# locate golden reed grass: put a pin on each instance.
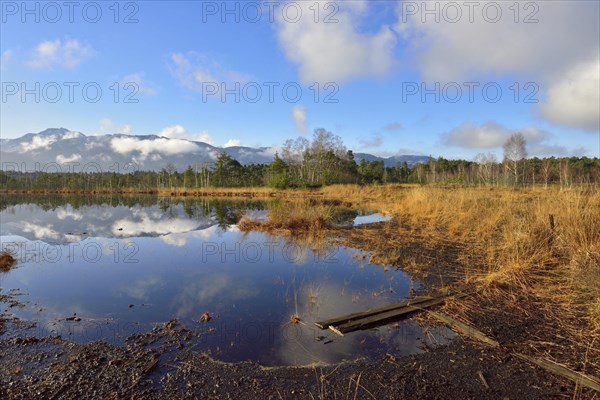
(510, 232)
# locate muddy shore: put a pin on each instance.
(163, 363)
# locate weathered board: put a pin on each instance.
(558, 369)
(464, 329)
(365, 319)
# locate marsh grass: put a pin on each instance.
(505, 236)
(296, 216)
(497, 238)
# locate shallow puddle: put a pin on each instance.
(104, 270)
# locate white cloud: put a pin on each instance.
(179, 132)
(147, 147)
(575, 99)
(171, 132)
(193, 69)
(68, 212)
(554, 52)
(232, 142)
(299, 117)
(40, 231)
(60, 159)
(5, 59)
(335, 52)
(67, 53)
(70, 135)
(141, 288)
(138, 80)
(38, 142)
(489, 135)
(107, 126)
(144, 223)
(566, 33)
(492, 135)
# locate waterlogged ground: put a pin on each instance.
(93, 269)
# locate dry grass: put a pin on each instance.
(506, 236)
(7, 261)
(296, 216)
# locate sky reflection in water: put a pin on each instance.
(124, 267)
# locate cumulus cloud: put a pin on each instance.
(107, 126)
(60, 159)
(67, 53)
(171, 132)
(38, 142)
(232, 142)
(179, 132)
(68, 212)
(299, 117)
(138, 80)
(575, 99)
(146, 147)
(488, 135)
(193, 69)
(71, 135)
(448, 51)
(554, 51)
(492, 135)
(335, 52)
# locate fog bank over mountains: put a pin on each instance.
(58, 148)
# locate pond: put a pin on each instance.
(106, 268)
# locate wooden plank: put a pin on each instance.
(464, 329)
(415, 300)
(345, 318)
(381, 317)
(559, 369)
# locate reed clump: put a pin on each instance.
(544, 242)
(297, 215)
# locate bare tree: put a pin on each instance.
(546, 171)
(485, 167)
(514, 154)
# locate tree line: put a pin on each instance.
(324, 160)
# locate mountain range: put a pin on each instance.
(60, 149)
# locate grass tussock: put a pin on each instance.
(506, 236)
(7, 261)
(295, 216)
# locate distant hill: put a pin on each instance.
(393, 160)
(54, 147)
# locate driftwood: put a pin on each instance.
(464, 329)
(559, 369)
(365, 319)
(339, 320)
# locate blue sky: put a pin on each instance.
(372, 58)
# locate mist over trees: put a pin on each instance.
(324, 160)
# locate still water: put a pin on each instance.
(119, 266)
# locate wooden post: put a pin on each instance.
(551, 238)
